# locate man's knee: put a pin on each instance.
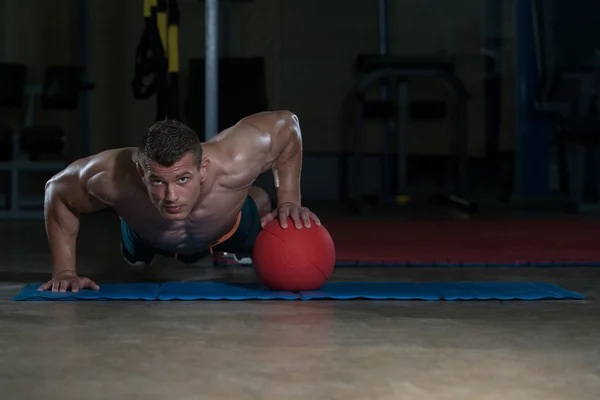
(261, 199)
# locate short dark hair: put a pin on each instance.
(167, 142)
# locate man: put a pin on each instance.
(177, 196)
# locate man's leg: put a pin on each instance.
(135, 252)
(263, 204)
(257, 205)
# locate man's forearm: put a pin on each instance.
(288, 190)
(288, 168)
(62, 226)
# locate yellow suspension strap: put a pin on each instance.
(151, 57)
(148, 53)
(161, 21)
(162, 94)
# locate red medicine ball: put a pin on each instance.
(293, 259)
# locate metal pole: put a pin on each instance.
(385, 95)
(359, 152)
(402, 136)
(533, 141)
(84, 116)
(383, 27)
(211, 95)
(492, 53)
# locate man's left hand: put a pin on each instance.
(301, 216)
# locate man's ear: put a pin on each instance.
(204, 169)
(140, 170)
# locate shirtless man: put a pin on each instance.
(177, 196)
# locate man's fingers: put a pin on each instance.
(306, 217)
(301, 216)
(295, 215)
(267, 218)
(283, 214)
(45, 286)
(314, 218)
(64, 285)
(74, 284)
(88, 283)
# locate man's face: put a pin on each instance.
(174, 190)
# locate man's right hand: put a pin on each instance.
(64, 281)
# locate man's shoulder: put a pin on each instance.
(268, 120)
(259, 124)
(113, 170)
(122, 155)
(122, 166)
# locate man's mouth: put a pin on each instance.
(172, 209)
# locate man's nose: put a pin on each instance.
(170, 195)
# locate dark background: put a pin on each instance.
(507, 60)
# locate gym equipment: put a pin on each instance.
(211, 93)
(393, 110)
(157, 56)
(120, 291)
(12, 82)
(569, 68)
(465, 243)
(61, 90)
(495, 170)
(449, 291)
(398, 70)
(533, 138)
(84, 140)
(559, 86)
(242, 91)
(220, 291)
(211, 77)
(431, 291)
(492, 55)
(6, 137)
(293, 259)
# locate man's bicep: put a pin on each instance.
(256, 143)
(74, 195)
(246, 155)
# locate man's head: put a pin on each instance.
(172, 168)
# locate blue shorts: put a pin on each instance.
(136, 250)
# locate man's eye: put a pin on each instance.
(183, 180)
(156, 182)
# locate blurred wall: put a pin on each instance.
(309, 46)
(31, 37)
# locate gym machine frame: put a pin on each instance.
(401, 76)
(21, 209)
(559, 104)
(20, 164)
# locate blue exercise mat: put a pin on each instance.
(108, 291)
(440, 291)
(220, 291)
(331, 290)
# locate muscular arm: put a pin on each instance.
(264, 141)
(68, 196)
